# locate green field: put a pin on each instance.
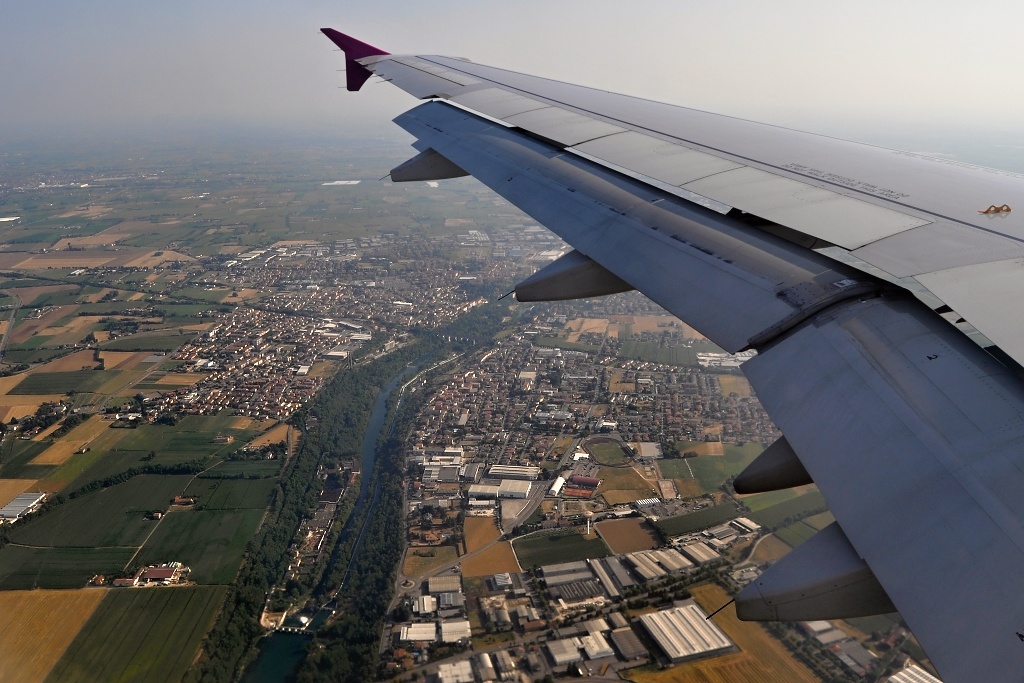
(24, 568)
(792, 509)
(608, 453)
(246, 468)
(141, 635)
(32, 355)
(695, 521)
(16, 455)
(674, 468)
(820, 520)
(231, 494)
(654, 353)
(114, 516)
(210, 542)
(795, 534)
(148, 342)
(559, 343)
(563, 546)
(711, 471)
(62, 477)
(43, 383)
(761, 501)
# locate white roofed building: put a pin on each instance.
(685, 632)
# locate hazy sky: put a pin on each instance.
(917, 67)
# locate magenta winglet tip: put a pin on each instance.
(356, 74)
(354, 49)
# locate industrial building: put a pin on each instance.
(913, 674)
(512, 488)
(505, 665)
(628, 644)
(455, 672)
(566, 572)
(746, 526)
(596, 647)
(564, 652)
(524, 472)
(647, 568)
(700, 553)
(556, 487)
(419, 633)
(446, 583)
(605, 578)
(483, 491)
(23, 503)
(455, 630)
(685, 632)
(484, 667)
(425, 604)
(671, 560)
(582, 482)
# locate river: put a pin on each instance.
(281, 653)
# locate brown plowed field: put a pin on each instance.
(275, 435)
(479, 531)
(9, 488)
(628, 535)
(495, 560)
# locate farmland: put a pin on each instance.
(628, 535)
(794, 508)
(701, 447)
(496, 559)
(761, 658)
(419, 561)
(37, 627)
(760, 501)
(54, 383)
(666, 355)
(769, 549)
(114, 516)
(623, 485)
(210, 542)
(23, 568)
(231, 494)
(480, 531)
(560, 546)
(712, 471)
(137, 635)
(695, 521)
(795, 534)
(9, 488)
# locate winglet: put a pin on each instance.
(354, 49)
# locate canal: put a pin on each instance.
(281, 653)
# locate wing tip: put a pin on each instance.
(356, 74)
(353, 47)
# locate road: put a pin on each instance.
(10, 324)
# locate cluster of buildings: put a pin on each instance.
(255, 363)
(154, 575)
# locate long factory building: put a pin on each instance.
(685, 632)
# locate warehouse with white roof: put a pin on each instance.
(685, 632)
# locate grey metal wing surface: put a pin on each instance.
(750, 233)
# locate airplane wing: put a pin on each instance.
(876, 286)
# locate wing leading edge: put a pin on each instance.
(912, 432)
